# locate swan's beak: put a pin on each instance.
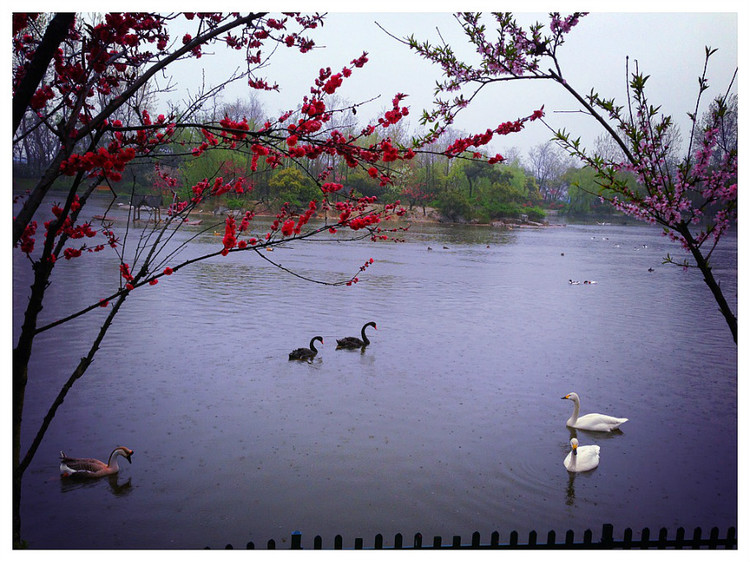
(575, 449)
(128, 457)
(564, 397)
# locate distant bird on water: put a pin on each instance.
(93, 468)
(356, 343)
(304, 353)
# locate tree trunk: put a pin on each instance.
(710, 280)
(56, 31)
(21, 357)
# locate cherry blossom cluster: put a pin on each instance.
(677, 197)
(461, 145)
(513, 53)
(99, 61)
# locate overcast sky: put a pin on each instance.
(669, 46)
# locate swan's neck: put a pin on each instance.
(364, 336)
(312, 345)
(112, 462)
(576, 409)
(573, 457)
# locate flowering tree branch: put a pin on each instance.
(96, 70)
(694, 201)
(87, 84)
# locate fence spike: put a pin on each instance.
(379, 541)
(627, 540)
(731, 538)
(359, 543)
(418, 540)
(437, 541)
(608, 532)
(569, 537)
(456, 541)
(697, 538)
(318, 543)
(679, 538)
(296, 540)
(476, 539)
(494, 539)
(662, 544)
(645, 538)
(398, 541)
(338, 542)
(713, 538)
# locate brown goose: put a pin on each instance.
(356, 343)
(305, 354)
(93, 468)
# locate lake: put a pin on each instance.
(450, 422)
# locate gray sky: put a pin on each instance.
(669, 46)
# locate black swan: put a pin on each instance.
(304, 353)
(355, 343)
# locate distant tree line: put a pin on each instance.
(461, 189)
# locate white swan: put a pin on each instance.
(581, 459)
(591, 422)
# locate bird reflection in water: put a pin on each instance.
(116, 487)
(570, 490)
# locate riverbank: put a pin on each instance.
(428, 215)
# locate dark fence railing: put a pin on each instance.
(714, 540)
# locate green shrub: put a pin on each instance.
(535, 214)
(454, 206)
(235, 204)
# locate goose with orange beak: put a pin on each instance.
(93, 468)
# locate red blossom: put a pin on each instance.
(333, 83)
(287, 229)
(125, 272)
(230, 238)
(70, 253)
(27, 238)
(331, 187)
(360, 62)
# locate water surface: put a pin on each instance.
(450, 422)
